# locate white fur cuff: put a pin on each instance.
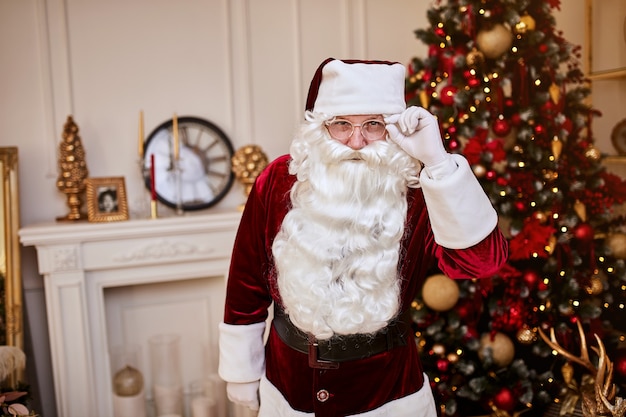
(460, 212)
(242, 353)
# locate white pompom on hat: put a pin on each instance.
(354, 87)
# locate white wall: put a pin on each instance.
(242, 64)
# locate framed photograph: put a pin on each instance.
(606, 38)
(106, 199)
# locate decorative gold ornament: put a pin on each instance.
(424, 99)
(595, 286)
(596, 388)
(439, 349)
(501, 347)
(452, 357)
(557, 148)
(127, 382)
(526, 23)
(495, 41)
(248, 162)
(479, 170)
(593, 153)
(440, 293)
(526, 336)
(475, 59)
(550, 175)
(617, 245)
(72, 171)
(581, 210)
(555, 93)
(510, 139)
(541, 216)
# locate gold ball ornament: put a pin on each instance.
(595, 286)
(475, 58)
(440, 293)
(501, 347)
(127, 382)
(495, 41)
(526, 24)
(617, 245)
(439, 349)
(526, 336)
(479, 170)
(593, 153)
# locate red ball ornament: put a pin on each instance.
(501, 127)
(453, 144)
(584, 232)
(540, 129)
(490, 175)
(543, 48)
(516, 119)
(520, 206)
(531, 278)
(504, 399)
(443, 365)
(473, 82)
(447, 95)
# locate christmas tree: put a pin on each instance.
(510, 96)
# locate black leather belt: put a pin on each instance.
(328, 353)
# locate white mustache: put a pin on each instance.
(372, 153)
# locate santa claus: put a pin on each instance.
(339, 236)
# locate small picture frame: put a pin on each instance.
(106, 199)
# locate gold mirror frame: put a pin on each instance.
(607, 74)
(11, 322)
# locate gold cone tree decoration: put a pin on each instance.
(248, 162)
(72, 170)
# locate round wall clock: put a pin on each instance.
(204, 163)
(618, 137)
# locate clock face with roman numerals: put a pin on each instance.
(204, 174)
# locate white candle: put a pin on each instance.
(202, 406)
(131, 406)
(168, 399)
(216, 389)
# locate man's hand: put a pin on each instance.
(416, 131)
(244, 393)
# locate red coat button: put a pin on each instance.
(322, 395)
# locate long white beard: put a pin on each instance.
(337, 251)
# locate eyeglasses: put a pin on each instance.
(343, 130)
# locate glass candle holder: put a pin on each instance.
(167, 387)
(129, 398)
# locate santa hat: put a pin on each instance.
(346, 87)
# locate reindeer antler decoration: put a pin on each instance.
(599, 401)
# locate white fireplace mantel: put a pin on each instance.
(80, 261)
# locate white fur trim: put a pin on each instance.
(242, 352)
(460, 212)
(361, 88)
(421, 403)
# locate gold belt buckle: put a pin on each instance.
(314, 360)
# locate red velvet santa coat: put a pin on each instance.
(356, 386)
